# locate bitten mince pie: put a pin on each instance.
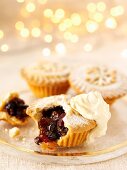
(109, 82)
(46, 78)
(13, 109)
(66, 122)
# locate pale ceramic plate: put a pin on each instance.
(112, 145)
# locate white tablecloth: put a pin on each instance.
(8, 162)
(10, 79)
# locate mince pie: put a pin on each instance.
(13, 109)
(109, 82)
(46, 78)
(66, 122)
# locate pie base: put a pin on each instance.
(73, 139)
(49, 89)
(111, 101)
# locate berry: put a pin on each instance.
(55, 115)
(16, 107)
(51, 125)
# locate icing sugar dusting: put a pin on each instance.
(76, 120)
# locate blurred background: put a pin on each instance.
(66, 30)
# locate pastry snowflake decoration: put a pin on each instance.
(100, 76)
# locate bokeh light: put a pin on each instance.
(101, 6)
(24, 32)
(91, 7)
(54, 23)
(48, 38)
(76, 19)
(4, 48)
(36, 32)
(91, 26)
(48, 13)
(42, 1)
(88, 47)
(98, 17)
(59, 14)
(124, 53)
(74, 38)
(60, 48)
(46, 52)
(117, 11)
(1, 34)
(20, 1)
(111, 23)
(30, 7)
(19, 25)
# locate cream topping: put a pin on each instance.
(92, 106)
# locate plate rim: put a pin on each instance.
(86, 154)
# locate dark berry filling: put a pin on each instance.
(51, 125)
(16, 107)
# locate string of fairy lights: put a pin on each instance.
(57, 27)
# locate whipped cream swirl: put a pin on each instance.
(92, 106)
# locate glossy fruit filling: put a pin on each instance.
(51, 125)
(16, 107)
